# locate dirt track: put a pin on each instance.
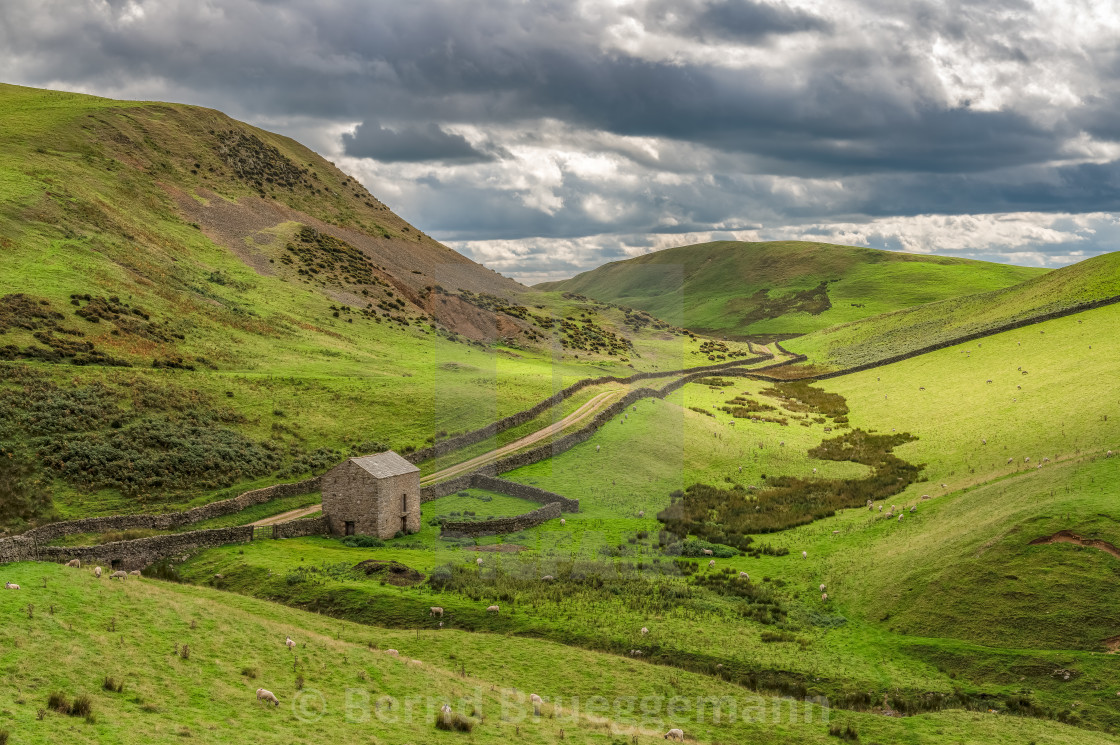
(288, 516)
(583, 412)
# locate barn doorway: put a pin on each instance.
(349, 528)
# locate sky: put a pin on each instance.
(547, 137)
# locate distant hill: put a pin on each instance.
(873, 339)
(736, 289)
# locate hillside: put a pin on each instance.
(873, 339)
(189, 304)
(734, 289)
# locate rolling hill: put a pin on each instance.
(734, 289)
(871, 340)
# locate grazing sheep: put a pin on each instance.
(674, 734)
(393, 652)
(1010, 460)
(10, 586)
(76, 563)
(1027, 459)
(711, 563)
(291, 645)
(880, 508)
(989, 381)
(822, 587)
(983, 441)
(267, 696)
(824, 597)
(1045, 460)
(492, 609)
(900, 518)
(97, 572)
(644, 631)
(478, 561)
(635, 653)
(804, 554)
(1108, 454)
(547, 578)
(925, 496)
(913, 509)
(836, 532)
(814, 470)
(707, 552)
(944, 486)
(563, 521)
(740, 469)
(118, 575)
(744, 575)
(134, 573)
(870, 508)
(641, 513)
(435, 610)
(596, 448)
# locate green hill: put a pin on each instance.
(189, 304)
(735, 289)
(881, 337)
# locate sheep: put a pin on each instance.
(1027, 459)
(134, 573)
(10, 586)
(393, 652)
(814, 470)
(711, 563)
(76, 563)
(674, 734)
(822, 587)
(1108, 454)
(1010, 460)
(804, 554)
(707, 552)
(536, 701)
(267, 696)
(415, 662)
(925, 496)
(913, 509)
(644, 631)
(435, 610)
(596, 448)
(635, 653)
(291, 645)
(1045, 460)
(563, 522)
(547, 578)
(478, 561)
(641, 513)
(989, 381)
(824, 597)
(983, 441)
(493, 609)
(97, 572)
(118, 575)
(445, 709)
(744, 575)
(880, 508)
(740, 469)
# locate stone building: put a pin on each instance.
(375, 495)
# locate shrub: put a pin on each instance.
(844, 732)
(454, 722)
(185, 652)
(59, 702)
(249, 672)
(82, 706)
(164, 570)
(362, 541)
(4, 735)
(112, 684)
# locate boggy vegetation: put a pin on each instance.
(729, 515)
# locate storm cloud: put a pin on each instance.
(545, 138)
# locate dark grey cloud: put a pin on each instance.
(410, 145)
(650, 118)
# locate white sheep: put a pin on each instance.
(644, 631)
(536, 701)
(822, 587)
(10, 586)
(118, 575)
(641, 513)
(900, 518)
(493, 609)
(824, 597)
(711, 563)
(563, 521)
(97, 572)
(1027, 459)
(478, 561)
(393, 652)
(1010, 460)
(744, 575)
(415, 662)
(596, 448)
(267, 696)
(635, 653)
(435, 610)
(804, 554)
(289, 643)
(1108, 454)
(707, 552)
(913, 509)
(547, 578)
(814, 470)
(76, 563)
(674, 734)
(134, 573)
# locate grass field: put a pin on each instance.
(713, 287)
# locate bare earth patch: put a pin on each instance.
(393, 572)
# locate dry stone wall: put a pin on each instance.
(139, 553)
(298, 528)
(171, 520)
(499, 525)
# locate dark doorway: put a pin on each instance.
(349, 528)
(115, 563)
(404, 523)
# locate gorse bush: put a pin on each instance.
(454, 722)
(362, 541)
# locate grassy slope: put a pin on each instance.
(92, 195)
(896, 333)
(709, 286)
(208, 698)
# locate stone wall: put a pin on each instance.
(523, 491)
(515, 420)
(500, 525)
(298, 528)
(171, 520)
(139, 553)
(374, 505)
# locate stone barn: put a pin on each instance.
(375, 495)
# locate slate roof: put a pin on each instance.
(384, 465)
